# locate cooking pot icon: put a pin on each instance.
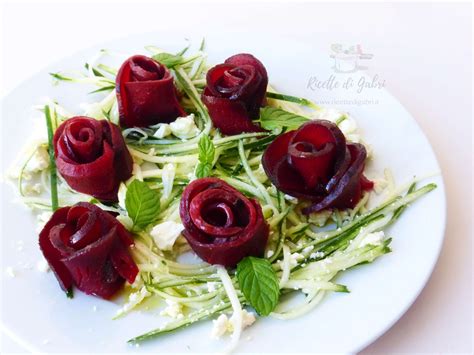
(346, 60)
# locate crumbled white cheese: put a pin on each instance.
(133, 300)
(173, 310)
(184, 127)
(308, 249)
(42, 265)
(43, 218)
(293, 260)
(375, 238)
(32, 188)
(270, 253)
(318, 254)
(168, 173)
(223, 324)
(163, 130)
(10, 272)
(320, 218)
(166, 233)
(39, 161)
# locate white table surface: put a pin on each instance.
(424, 53)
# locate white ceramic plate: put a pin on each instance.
(38, 316)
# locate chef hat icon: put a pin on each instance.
(346, 59)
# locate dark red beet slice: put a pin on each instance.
(146, 94)
(87, 247)
(315, 163)
(92, 157)
(234, 93)
(221, 225)
(230, 117)
(347, 192)
(51, 253)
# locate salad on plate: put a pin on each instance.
(201, 189)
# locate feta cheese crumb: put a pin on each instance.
(39, 161)
(173, 310)
(184, 127)
(223, 324)
(166, 233)
(270, 253)
(42, 265)
(163, 130)
(308, 249)
(318, 254)
(43, 218)
(375, 238)
(320, 218)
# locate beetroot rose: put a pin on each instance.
(234, 93)
(87, 247)
(92, 157)
(221, 225)
(315, 163)
(146, 94)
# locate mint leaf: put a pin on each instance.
(168, 59)
(259, 284)
(142, 203)
(207, 152)
(275, 118)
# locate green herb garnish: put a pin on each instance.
(259, 284)
(142, 203)
(52, 160)
(275, 118)
(206, 156)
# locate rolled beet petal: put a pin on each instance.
(315, 163)
(51, 253)
(92, 157)
(221, 225)
(347, 192)
(244, 59)
(230, 117)
(146, 94)
(87, 247)
(234, 93)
